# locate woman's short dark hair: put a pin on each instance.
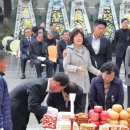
(41, 28)
(75, 32)
(71, 88)
(39, 34)
(62, 78)
(35, 29)
(109, 67)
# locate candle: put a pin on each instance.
(72, 99)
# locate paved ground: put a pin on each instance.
(12, 78)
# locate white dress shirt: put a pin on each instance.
(96, 44)
(48, 85)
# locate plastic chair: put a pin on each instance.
(15, 47)
(15, 52)
(52, 52)
(5, 39)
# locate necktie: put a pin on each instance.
(29, 39)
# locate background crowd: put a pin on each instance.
(85, 68)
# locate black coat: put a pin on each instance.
(28, 96)
(61, 47)
(50, 41)
(97, 95)
(24, 45)
(56, 100)
(35, 51)
(104, 53)
(122, 41)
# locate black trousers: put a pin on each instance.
(24, 59)
(49, 68)
(119, 61)
(60, 62)
(84, 101)
(128, 96)
(19, 119)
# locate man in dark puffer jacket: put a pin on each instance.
(5, 110)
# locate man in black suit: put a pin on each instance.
(98, 45)
(61, 100)
(122, 41)
(61, 47)
(39, 55)
(28, 96)
(24, 48)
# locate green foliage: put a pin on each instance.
(4, 31)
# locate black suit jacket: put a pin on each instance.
(34, 50)
(56, 100)
(50, 42)
(104, 53)
(24, 45)
(28, 96)
(61, 47)
(121, 41)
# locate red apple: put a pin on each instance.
(91, 111)
(94, 116)
(96, 123)
(89, 121)
(103, 122)
(104, 115)
(98, 109)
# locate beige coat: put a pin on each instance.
(127, 65)
(79, 59)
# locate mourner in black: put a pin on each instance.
(98, 45)
(24, 48)
(106, 89)
(39, 55)
(122, 41)
(28, 96)
(61, 100)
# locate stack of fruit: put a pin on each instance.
(98, 116)
(128, 110)
(81, 118)
(118, 116)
